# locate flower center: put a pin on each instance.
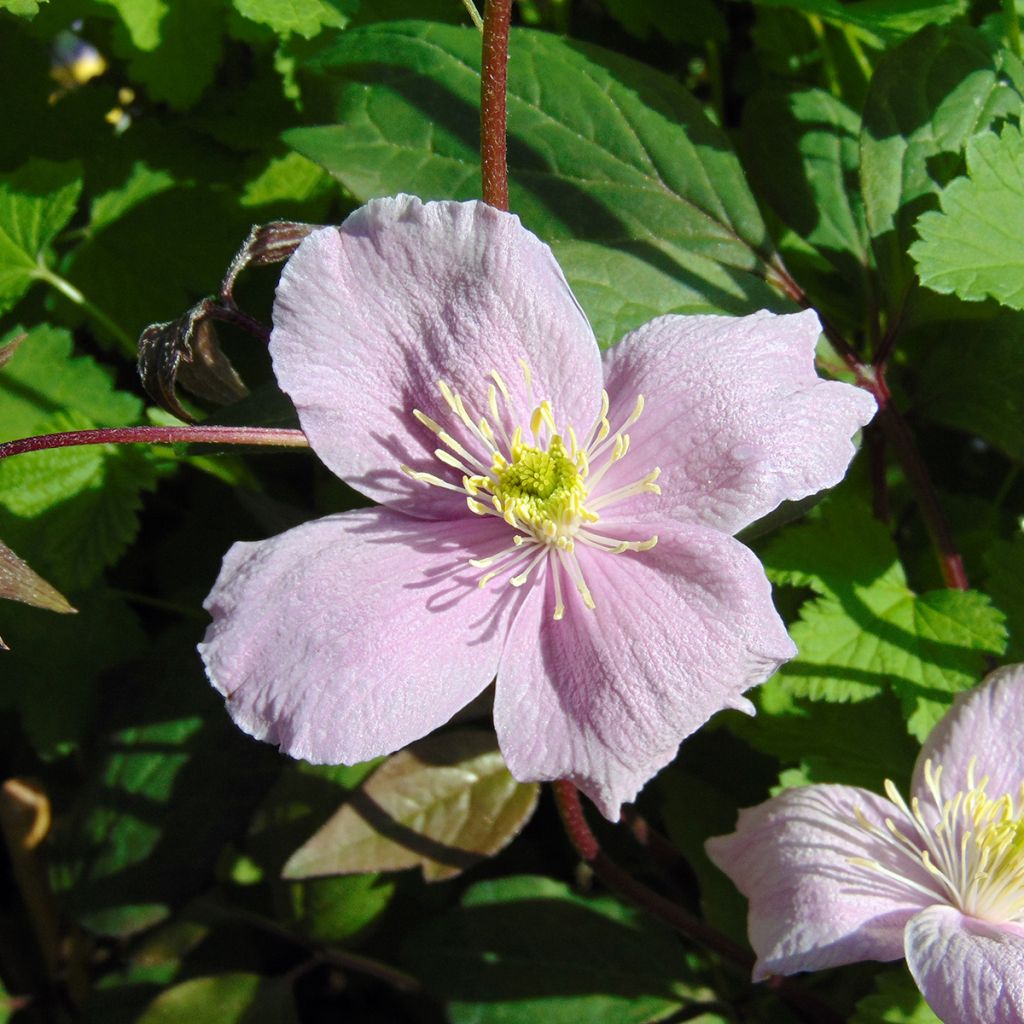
(547, 488)
(971, 845)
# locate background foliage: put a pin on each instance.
(712, 156)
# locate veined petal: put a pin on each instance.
(353, 635)
(986, 723)
(604, 697)
(969, 971)
(810, 907)
(371, 316)
(735, 415)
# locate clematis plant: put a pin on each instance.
(836, 874)
(553, 516)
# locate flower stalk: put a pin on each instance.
(493, 78)
(270, 436)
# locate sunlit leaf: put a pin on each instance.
(602, 150)
(36, 201)
(443, 804)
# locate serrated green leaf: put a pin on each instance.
(601, 150)
(928, 98)
(303, 17)
(36, 201)
(235, 998)
(869, 631)
(897, 1000)
(43, 378)
(73, 510)
(970, 375)
(527, 949)
(973, 248)
(442, 804)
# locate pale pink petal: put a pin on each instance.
(986, 723)
(353, 635)
(810, 908)
(735, 415)
(604, 697)
(371, 315)
(970, 971)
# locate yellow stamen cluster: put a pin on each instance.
(971, 845)
(546, 488)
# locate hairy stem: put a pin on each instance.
(493, 78)
(272, 436)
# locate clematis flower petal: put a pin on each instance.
(353, 635)
(969, 971)
(985, 723)
(735, 414)
(810, 907)
(371, 315)
(604, 697)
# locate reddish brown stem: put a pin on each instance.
(891, 423)
(570, 807)
(567, 797)
(493, 78)
(276, 436)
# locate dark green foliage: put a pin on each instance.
(863, 157)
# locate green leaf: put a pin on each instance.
(973, 248)
(325, 910)
(643, 18)
(142, 18)
(868, 630)
(601, 150)
(525, 949)
(141, 183)
(43, 378)
(897, 1000)
(883, 19)
(51, 674)
(236, 998)
(443, 804)
(1005, 563)
(802, 151)
(173, 780)
(928, 98)
(860, 744)
(181, 65)
(73, 510)
(970, 375)
(303, 17)
(36, 201)
(24, 9)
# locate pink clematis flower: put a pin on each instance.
(553, 517)
(836, 874)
